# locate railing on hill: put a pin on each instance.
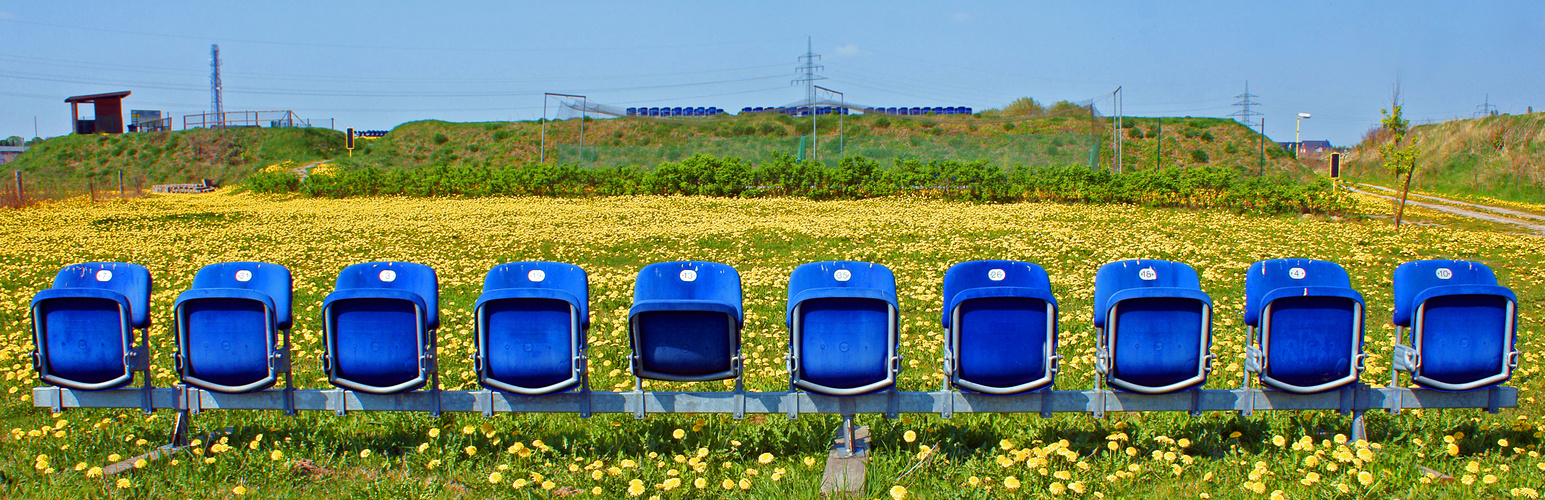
(238, 119)
(19, 190)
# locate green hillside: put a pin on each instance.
(1002, 140)
(68, 164)
(224, 156)
(1497, 156)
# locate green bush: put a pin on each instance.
(853, 177)
(439, 138)
(1207, 136)
(1199, 156)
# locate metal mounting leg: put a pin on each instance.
(1046, 397)
(848, 437)
(740, 399)
(1493, 400)
(485, 402)
(791, 401)
(1196, 402)
(638, 397)
(584, 387)
(340, 401)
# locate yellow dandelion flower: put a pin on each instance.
(276, 455)
(432, 464)
(765, 458)
(1011, 482)
(671, 483)
(898, 492)
(1056, 488)
(1278, 495)
(809, 461)
(1365, 478)
(909, 436)
(1489, 479)
(635, 489)
(470, 450)
(678, 434)
(365, 453)
(238, 490)
(1183, 443)
(495, 478)
(1278, 441)
(547, 485)
(94, 472)
(1452, 449)
(434, 432)
(1473, 467)
(700, 483)
(727, 484)
(1006, 444)
(468, 429)
(1077, 487)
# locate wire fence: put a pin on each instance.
(19, 190)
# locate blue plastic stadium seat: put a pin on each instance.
(1463, 325)
(1306, 325)
(1154, 326)
(632, 111)
(531, 324)
(233, 327)
(379, 324)
(843, 328)
(83, 326)
(1001, 321)
(685, 321)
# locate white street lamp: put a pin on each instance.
(1298, 144)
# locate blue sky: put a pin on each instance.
(373, 65)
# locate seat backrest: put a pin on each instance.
(568, 278)
(1412, 278)
(406, 276)
(690, 280)
(828, 274)
(271, 279)
(990, 273)
(1267, 275)
(130, 280)
(1138, 273)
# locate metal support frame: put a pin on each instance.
(340, 401)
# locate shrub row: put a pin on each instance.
(854, 177)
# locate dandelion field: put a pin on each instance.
(1217, 455)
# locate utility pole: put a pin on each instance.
(808, 77)
(1245, 113)
(216, 101)
(1486, 109)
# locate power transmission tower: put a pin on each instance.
(1486, 109)
(216, 102)
(807, 73)
(1245, 114)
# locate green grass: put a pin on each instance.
(1496, 157)
(764, 239)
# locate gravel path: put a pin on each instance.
(1453, 207)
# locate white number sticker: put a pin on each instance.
(842, 275)
(1148, 274)
(104, 275)
(536, 275)
(243, 275)
(688, 275)
(1297, 273)
(1445, 273)
(997, 275)
(388, 275)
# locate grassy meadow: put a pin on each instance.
(1217, 455)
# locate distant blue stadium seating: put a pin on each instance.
(1463, 325)
(632, 111)
(530, 327)
(1001, 320)
(1306, 325)
(233, 327)
(83, 327)
(843, 327)
(685, 321)
(1154, 326)
(379, 324)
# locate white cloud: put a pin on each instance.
(848, 50)
(961, 16)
